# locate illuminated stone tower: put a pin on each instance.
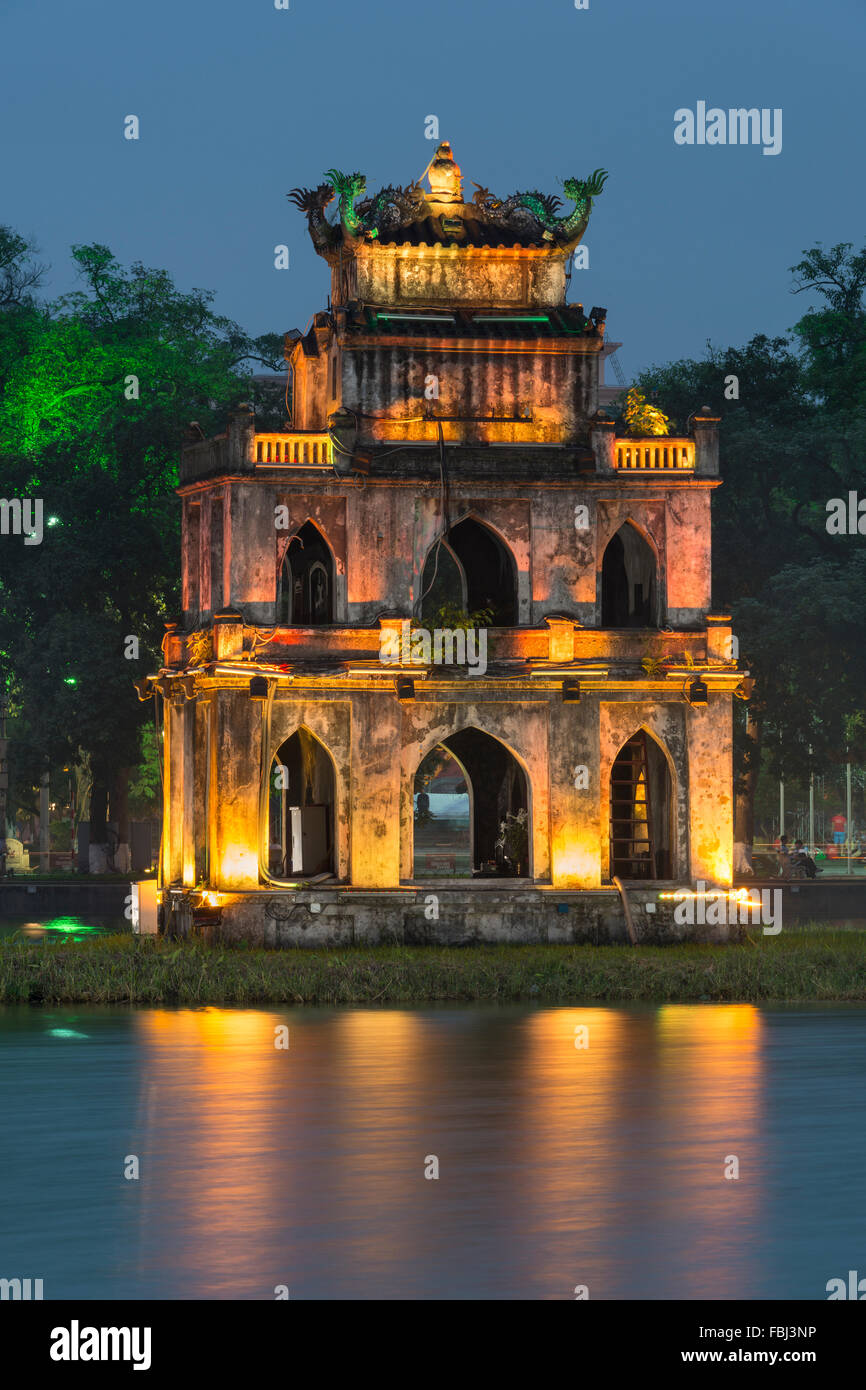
(449, 552)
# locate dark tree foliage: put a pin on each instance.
(793, 437)
(95, 392)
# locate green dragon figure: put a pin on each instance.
(544, 207)
(349, 187)
(392, 207)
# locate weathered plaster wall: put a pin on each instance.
(380, 533)
(485, 276)
(310, 359)
(688, 551)
(575, 814)
(464, 916)
(710, 751)
(252, 542)
(173, 793)
(237, 765)
(550, 384)
(381, 527)
(376, 789)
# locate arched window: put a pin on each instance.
(641, 811)
(471, 810)
(305, 594)
(301, 812)
(629, 588)
(471, 570)
(443, 584)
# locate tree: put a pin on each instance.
(95, 392)
(641, 418)
(793, 437)
(833, 336)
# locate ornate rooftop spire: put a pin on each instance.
(411, 216)
(446, 183)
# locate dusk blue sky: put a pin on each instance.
(239, 102)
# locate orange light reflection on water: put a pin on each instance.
(559, 1159)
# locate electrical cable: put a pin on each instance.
(443, 512)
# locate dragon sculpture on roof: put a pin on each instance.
(394, 207)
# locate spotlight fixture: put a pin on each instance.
(144, 688)
(258, 688)
(405, 688)
(697, 693)
(571, 692)
(745, 688)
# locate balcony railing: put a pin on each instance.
(661, 454)
(302, 449)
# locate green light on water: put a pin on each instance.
(65, 1033)
(70, 680)
(70, 924)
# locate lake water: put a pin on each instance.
(68, 926)
(558, 1166)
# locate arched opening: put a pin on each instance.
(443, 584)
(641, 811)
(305, 593)
(301, 810)
(629, 585)
(491, 836)
(470, 571)
(442, 817)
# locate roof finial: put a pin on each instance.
(446, 183)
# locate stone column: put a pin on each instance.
(375, 790)
(241, 439)
(235, 790)
(228, 634)
(561, 641)
(575, 794)
(603, 440)
(719, 637)
(705, 427)
(709, 735)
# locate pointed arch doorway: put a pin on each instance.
(495, 792)
(301, 808)
(468, 571)
(641, 811)
(629, 581)
(305, 592)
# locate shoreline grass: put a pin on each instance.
(817, 965)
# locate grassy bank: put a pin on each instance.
(806, 965)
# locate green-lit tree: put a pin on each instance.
(95, 392)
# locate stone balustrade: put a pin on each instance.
(301, 448)
(661, 453)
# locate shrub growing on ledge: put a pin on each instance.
(642, 418)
